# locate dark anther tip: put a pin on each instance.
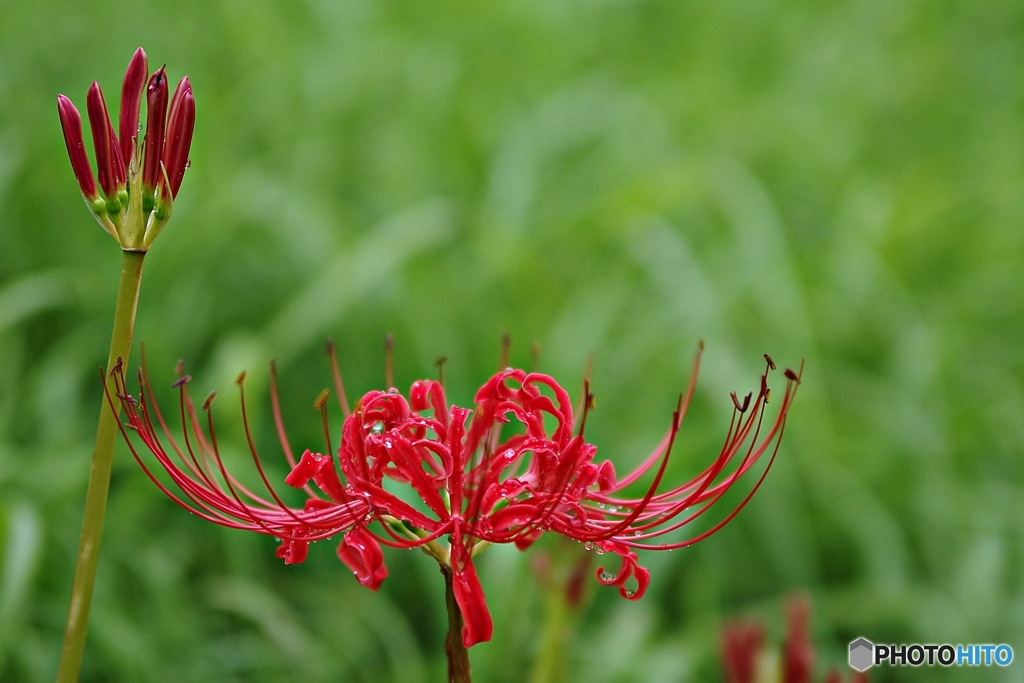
(771, 363)
(330, 346)
(179, 369)
(700, 345)
(790, 375)
(241, 378)
(184, 379)
(742, 407)
(209, 400)
(441, 361)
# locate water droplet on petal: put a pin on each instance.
(638, 533)
(605, 576)
(588, 545)
(630, 593)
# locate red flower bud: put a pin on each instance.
(179, 134)
(120, 174)
(71, 123)
(131, 98)
(156, 123)
(107, 152)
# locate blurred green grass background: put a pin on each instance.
(836, 181)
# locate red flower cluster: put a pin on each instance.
(468, 475)
(743, 640)
(120, 162)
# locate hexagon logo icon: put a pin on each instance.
(862, 654)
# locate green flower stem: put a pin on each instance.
(559, 624)
(99, 476)
(458, 655)
(564, 584)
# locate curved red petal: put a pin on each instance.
(361, 553)
(469, 594)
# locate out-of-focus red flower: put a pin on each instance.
(741, 650)
(513, 467)
(798, 651)
(743, 640)
(118, 160)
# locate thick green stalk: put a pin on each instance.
(99, 476)
(564, 582)
(458, 655)
(551, 664)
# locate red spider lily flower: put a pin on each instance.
(506, 471)
(132, 210)
(741, 650)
